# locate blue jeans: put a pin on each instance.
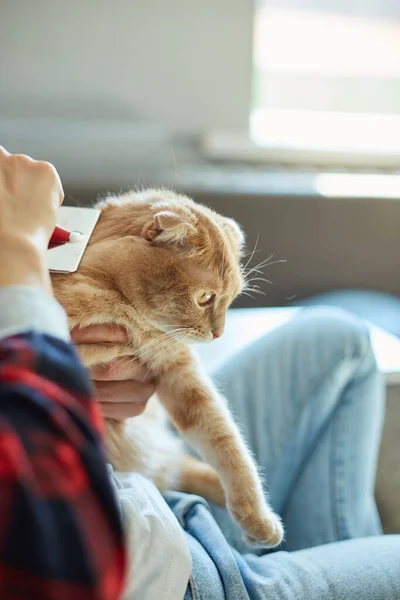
(310, 402)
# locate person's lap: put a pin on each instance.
(310, 403)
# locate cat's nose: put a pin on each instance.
(216, 334)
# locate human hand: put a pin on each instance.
(123, 386)
(30, 196)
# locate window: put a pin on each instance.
(326, 77)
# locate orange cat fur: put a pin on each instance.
(167, 269)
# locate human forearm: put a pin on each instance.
(22, 263)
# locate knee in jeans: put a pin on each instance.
(344, 332)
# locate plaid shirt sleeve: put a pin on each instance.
(60, 532)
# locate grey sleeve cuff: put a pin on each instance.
(24, 308)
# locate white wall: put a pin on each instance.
(184, 63)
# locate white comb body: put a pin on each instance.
(81, 222)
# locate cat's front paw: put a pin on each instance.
(264, 530)
(262, 527)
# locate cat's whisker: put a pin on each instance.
(128, 358)
(169, 341)
(256, 291)
(250, 251)
(157, 349)
(266, 263)
(253, 252)
(183, 330)
(180, 326)
(181, 338)
(256, 270)
(259, 279)
(259, 266)
(152, 341)
(179, 334)
(248, 285)
(253, 270)
(176, 338)
(251, 288)
(157, 358)
(163, 353)
(275, 262)
(151, 345)
(125, 360)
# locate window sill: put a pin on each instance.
(236, 146)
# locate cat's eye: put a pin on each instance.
(205, 298)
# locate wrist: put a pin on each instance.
(22, 262)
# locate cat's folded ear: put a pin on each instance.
(169, 227)
(235, 232)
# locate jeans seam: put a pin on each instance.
(337, 463)
(337, 477)
(357, 358)
(193, 589)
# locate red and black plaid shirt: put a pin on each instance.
(60, 530)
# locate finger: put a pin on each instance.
(122, 411)
(4, 152)
(99, 334)
(121, 392)
(24, 159)
(61, 195)
(120, 369)
(51, 172)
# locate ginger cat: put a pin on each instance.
(167, 269)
